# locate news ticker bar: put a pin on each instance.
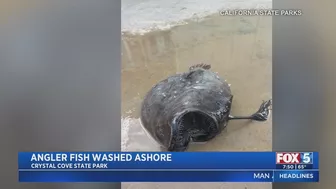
(170, 176)
(167, 160)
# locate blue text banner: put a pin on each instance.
(150, 160)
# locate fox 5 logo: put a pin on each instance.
(306, 157)
(294, 158)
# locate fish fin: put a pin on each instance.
(201, 65)
(193, 69)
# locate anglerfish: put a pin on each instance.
(194, 106)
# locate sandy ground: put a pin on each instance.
(238, 48)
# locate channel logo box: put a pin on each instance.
(294, 158)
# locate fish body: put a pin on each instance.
(189, 107)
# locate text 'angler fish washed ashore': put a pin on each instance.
(193, 106)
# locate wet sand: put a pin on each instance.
(238, 48)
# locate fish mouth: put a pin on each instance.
(197, 124)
